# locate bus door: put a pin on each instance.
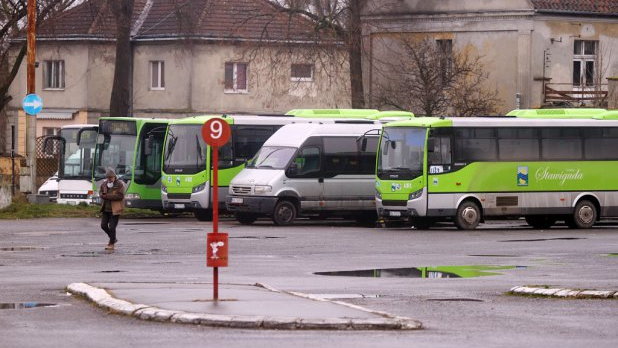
(305, 175)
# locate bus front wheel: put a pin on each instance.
(468, 216)
(585, 214)
(284, 213)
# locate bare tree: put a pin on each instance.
(120, 102)
(12, 21)
(336, 23)
(433, 78)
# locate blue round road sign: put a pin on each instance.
(32, 104)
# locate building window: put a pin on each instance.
(302, 72)
(445, 50)
(50, 131)
(584, 61)
(53, 74)
(157, 75)
(235, 77)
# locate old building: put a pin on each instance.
(189, 57)
(536, 52)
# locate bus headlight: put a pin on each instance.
(199, 188)
(133, 196)
(163, 188)
(259, 189)
(415, 195)
(378, 195)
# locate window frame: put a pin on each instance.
(57, 75)
(160, 64)
(235, 89)
(299, 78)
(583, 59)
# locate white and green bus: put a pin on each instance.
(186, 185)
(467, 169)
(133, 148)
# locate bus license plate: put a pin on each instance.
(237, 200)
(394, 213)
(179, 206)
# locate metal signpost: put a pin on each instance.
(216, 132)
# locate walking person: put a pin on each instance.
(112, 204)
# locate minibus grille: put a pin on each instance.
(395, 203)
(241, 190)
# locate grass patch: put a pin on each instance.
(24, 210)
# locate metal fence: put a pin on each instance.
(46, 159)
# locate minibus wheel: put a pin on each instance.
(245, 219)
(468, 216)
(585, 214)
(285, 213)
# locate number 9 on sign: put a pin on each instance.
(216, 132)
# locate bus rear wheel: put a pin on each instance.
(468, 216)
(585, 214)
(540, 222)
(203, 214)
(285, 213)
(245, 219)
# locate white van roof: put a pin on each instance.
(294, 135)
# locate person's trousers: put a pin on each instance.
(109, 222)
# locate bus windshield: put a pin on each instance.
(116, 152)
(401, 153)
(185, 150)
(77, 160)
(272, 157)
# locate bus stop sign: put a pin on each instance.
(216, 132)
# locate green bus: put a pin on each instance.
(186, 180)
(467, 169)
(557, 113)
(133, 148)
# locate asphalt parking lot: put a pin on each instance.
(39, 258)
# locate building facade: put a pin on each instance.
(537, 53)
(189, 57)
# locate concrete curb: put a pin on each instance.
(564, 293)
(104, 300)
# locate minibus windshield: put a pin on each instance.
(272, 157)
(401, 153)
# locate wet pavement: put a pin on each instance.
(49, 254)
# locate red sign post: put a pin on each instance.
(216, 132)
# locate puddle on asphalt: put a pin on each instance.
(145, 223)
(26, 305)
(255, 237)
(540, 239)
(425, 272)
(494, 255)
(454, 300)
(20, 248)
(112, 271)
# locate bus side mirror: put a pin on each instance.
(148, 145)
(364, 144)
